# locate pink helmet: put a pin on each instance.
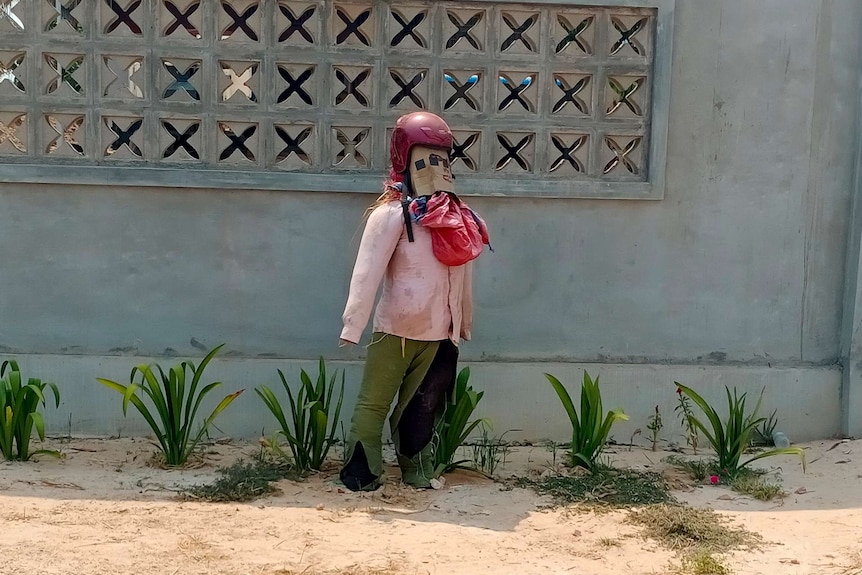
(417, 129)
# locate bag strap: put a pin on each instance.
(408, 220)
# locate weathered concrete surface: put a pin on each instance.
(518, 397)
(742, 265)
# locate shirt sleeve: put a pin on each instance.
(467, 303)
(382, 232)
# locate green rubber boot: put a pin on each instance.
(418, 471)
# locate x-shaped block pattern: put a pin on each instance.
(574, 34)
(65, 133)
(237, 142)
(461, 151)
(352, 87)
(123, 16)
(125, 75)
(517, 92)
(7, 72)
(462, 90)
(571, 94)
(238, 82)
(123, 137)
(181, 80)
(9, 131)
(628, 36)
(624, 96)
(350, 147)
(464, 30)
(181, 141)
(567, 153)
(181, 18)
(621, 155)
(406, 88)
(293, 144)
(297, 24)
(295, 85)
(514, 152)
(353, 27)
(65, 74)
(239, 21)
(7, 14)
(64, 13)
(408, 28)
(519, 31)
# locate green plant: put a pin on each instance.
(654, 425)
(174, 411)
(489, 452)
(589, 431)
(19, 412)
(453, 429)
(311, 429)
(683, 409)
(553, 447)
(730, 439)
(763, 432)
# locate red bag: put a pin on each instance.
(457, 232)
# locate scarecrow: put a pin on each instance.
(419, 240)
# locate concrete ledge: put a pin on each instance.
(517, 395)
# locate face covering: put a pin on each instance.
(429, 171)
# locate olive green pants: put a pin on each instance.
(393, 366)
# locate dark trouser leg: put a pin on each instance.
(415, 428)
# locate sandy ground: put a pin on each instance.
(104, 510)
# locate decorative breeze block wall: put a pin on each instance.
(551, 94)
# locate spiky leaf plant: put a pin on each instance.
(454, 427)
(174, 405)
(729, 439)
(590, 428)
(310, 432)
(19, 412)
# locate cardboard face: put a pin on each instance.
(429, 171)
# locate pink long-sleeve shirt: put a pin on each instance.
(422, 299)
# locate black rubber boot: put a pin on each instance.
(355, 474)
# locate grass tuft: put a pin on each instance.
(745, 481)
(698, 469)
(617, 488)
(243, 481)
(703, 563)
(488, 452)
(757, 487)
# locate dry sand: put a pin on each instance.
(104, 509)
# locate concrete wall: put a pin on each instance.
(737, 276)
(517, 397)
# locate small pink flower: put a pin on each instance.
(714, 479)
